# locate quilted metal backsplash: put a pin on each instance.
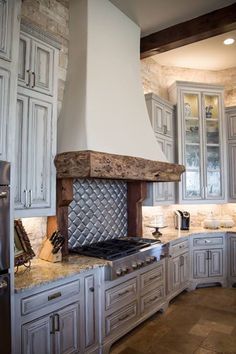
(98, 211)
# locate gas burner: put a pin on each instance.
(125, 254)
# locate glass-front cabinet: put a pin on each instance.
(200, 141)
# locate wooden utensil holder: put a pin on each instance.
(47, 255)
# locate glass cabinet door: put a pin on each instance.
(192, 146)
(213, 175)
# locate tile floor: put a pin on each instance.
(199, 322)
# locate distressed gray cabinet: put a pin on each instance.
(178, 267)
(231, 252)
(34, 163)
(36, 64)
(36, 127)
(6, 25)
(161, 114)
(57, 333)
(59, 318)
(230, 113)
(208, 259)
(201, 141)
(4, 104)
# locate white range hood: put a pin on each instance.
(104, 107)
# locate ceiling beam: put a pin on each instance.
(202, 27)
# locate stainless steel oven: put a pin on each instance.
(5, 322)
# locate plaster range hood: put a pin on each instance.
(104, 128)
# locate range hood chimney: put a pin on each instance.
(104, 108)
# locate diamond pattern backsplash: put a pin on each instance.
(98, 211)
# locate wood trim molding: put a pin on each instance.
(199, 28)
(136, 193)
(93, 164)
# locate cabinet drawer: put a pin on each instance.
(208, 241)
(179, 247)
(36, 302)
(152, 277)
(121, 294)
(121, 318)
(152, 299)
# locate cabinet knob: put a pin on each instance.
(91, 289)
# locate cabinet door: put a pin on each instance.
(158, 117)
(90, 317)
(36, 337)
(215, 263)
(159, 189)
(21, 151)
(233, 256)
(175, 273)
(168, 123)
(200, 264)
(24, 61)
(169, 187)
(184, 268)
(231, 122)
(39, 153)
(67, 340)
(4, 103)
(232, 170)
(6, 7)
(42, 59)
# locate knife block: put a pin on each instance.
(47, 255)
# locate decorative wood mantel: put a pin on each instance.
(93, 164)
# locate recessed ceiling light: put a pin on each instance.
(228, 41)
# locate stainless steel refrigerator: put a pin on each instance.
(5, 318)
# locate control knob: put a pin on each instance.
(140, 264)
(119, 272)
(125, 270)
(153, 258)
(134, 265)
(149, 260)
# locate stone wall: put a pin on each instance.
(157, 78)
(51, 16)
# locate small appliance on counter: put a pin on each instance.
(182, 220)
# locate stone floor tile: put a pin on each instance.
(220, 342)
(218, 327)
(200, 330)
(205, 351)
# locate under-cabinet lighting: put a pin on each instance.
(228, 41)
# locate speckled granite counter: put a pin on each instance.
(170, 234)
(43, 272)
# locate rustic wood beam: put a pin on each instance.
(202, 27)
(136, 193)
(93, 164)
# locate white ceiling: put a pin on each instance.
(155, 15)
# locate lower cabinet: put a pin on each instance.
(232, 260)
(59, 319)
(56, 333)
(208, 260)
(178, 273)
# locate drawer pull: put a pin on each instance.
(123, 293)
(152, 299)
(54, 296)
(123, 317)
(154, 277)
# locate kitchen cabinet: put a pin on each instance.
(208, 260)
(36, 65)
(231, 251)
(59, 318)
(6, 26)
(161, 114)
(201, 140)
(4, 104)
(36, 126)
(56, 333)
(230, 113)
(35, 142)
(177, 267)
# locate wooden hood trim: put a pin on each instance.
(93, 164)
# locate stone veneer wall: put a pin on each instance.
(157, 78)
(197, 214)
(52, 16)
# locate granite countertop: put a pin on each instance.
(171, 234)
(43, 272)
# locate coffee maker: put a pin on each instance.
(182, 220)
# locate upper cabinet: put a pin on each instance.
(6, 18)
(230, 113)
(36, 65)
(4, 104)
(161, 114)
(201, 137)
